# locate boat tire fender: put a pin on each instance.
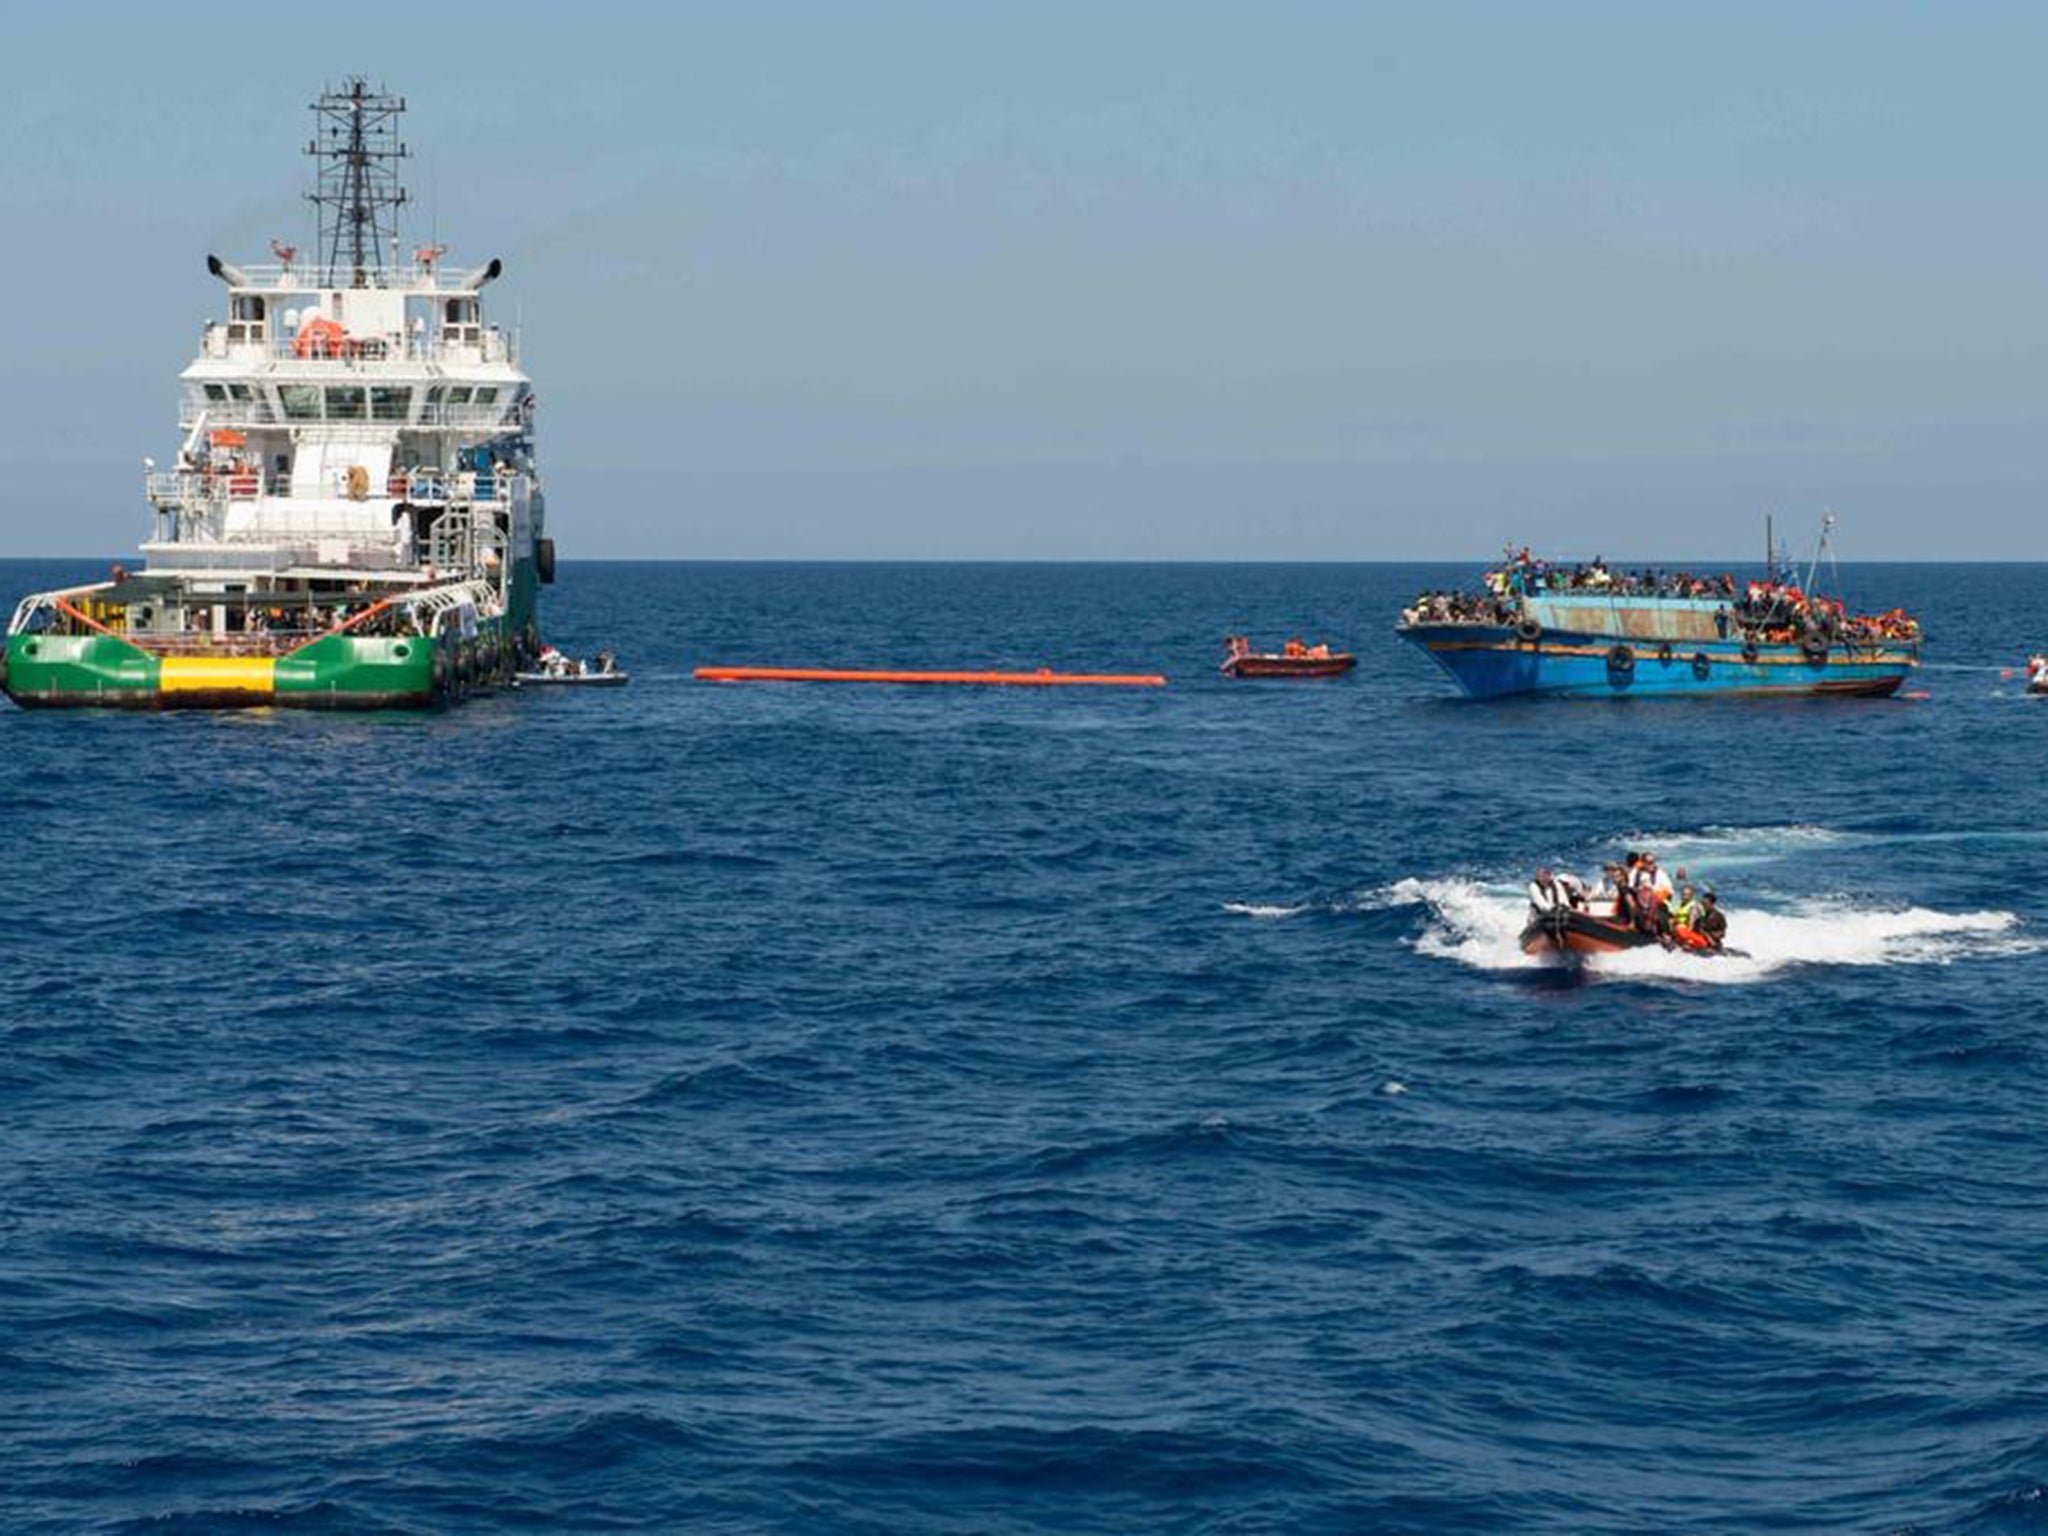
(1701, 665)
(1529, 630)
(1816, 647)
(1621, 658)
(544, 560)
(1664, 653)
(1750, 652)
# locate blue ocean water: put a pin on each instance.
(741, 1108)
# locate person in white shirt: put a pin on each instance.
(1546, 894)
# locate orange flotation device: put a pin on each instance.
(321, 337)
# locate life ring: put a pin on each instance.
(1664, 653)
(1529, 630)
(1701, 666)
(1750, 650)
(1621, 658)
(321, 337)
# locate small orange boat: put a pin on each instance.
(1569, 934)
(1297, 660)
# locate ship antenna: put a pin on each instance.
(356, 188)
(1824, 547)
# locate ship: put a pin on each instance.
(1589, 632)
(354, 518)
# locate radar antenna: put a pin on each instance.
(355, 141)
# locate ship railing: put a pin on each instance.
(313, 278)
(435, 610)
(199, 488)
(52, 604)
(452, 344)
(455, 606)
(258, 413)
(266, 642)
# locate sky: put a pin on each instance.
(1107, 280)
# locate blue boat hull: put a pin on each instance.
(1492, 662)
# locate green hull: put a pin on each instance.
(333, 672)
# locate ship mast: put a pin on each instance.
(355, 141)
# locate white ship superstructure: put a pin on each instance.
(335, 420)
(325, 426)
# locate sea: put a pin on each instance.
(732, 1108)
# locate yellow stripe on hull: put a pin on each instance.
(252, 675)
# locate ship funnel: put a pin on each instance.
(233, 276)
(487, 275)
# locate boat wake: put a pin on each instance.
(1723, 846)
(1479, 925)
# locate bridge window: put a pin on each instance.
(461, 322)
(245, 317)
(216, 392)
(487, 397)
(458, 394)
(345, 402)
(301, 402)
(390, 403)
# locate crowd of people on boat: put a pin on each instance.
(1771, 611)
(315, 619)
(1638, 893)
(1458, 608)
(1523, 573)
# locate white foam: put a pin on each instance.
(1735, 845)
(1256, 909)
(1370, 901)
(1759, 845)
(1480, 926)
